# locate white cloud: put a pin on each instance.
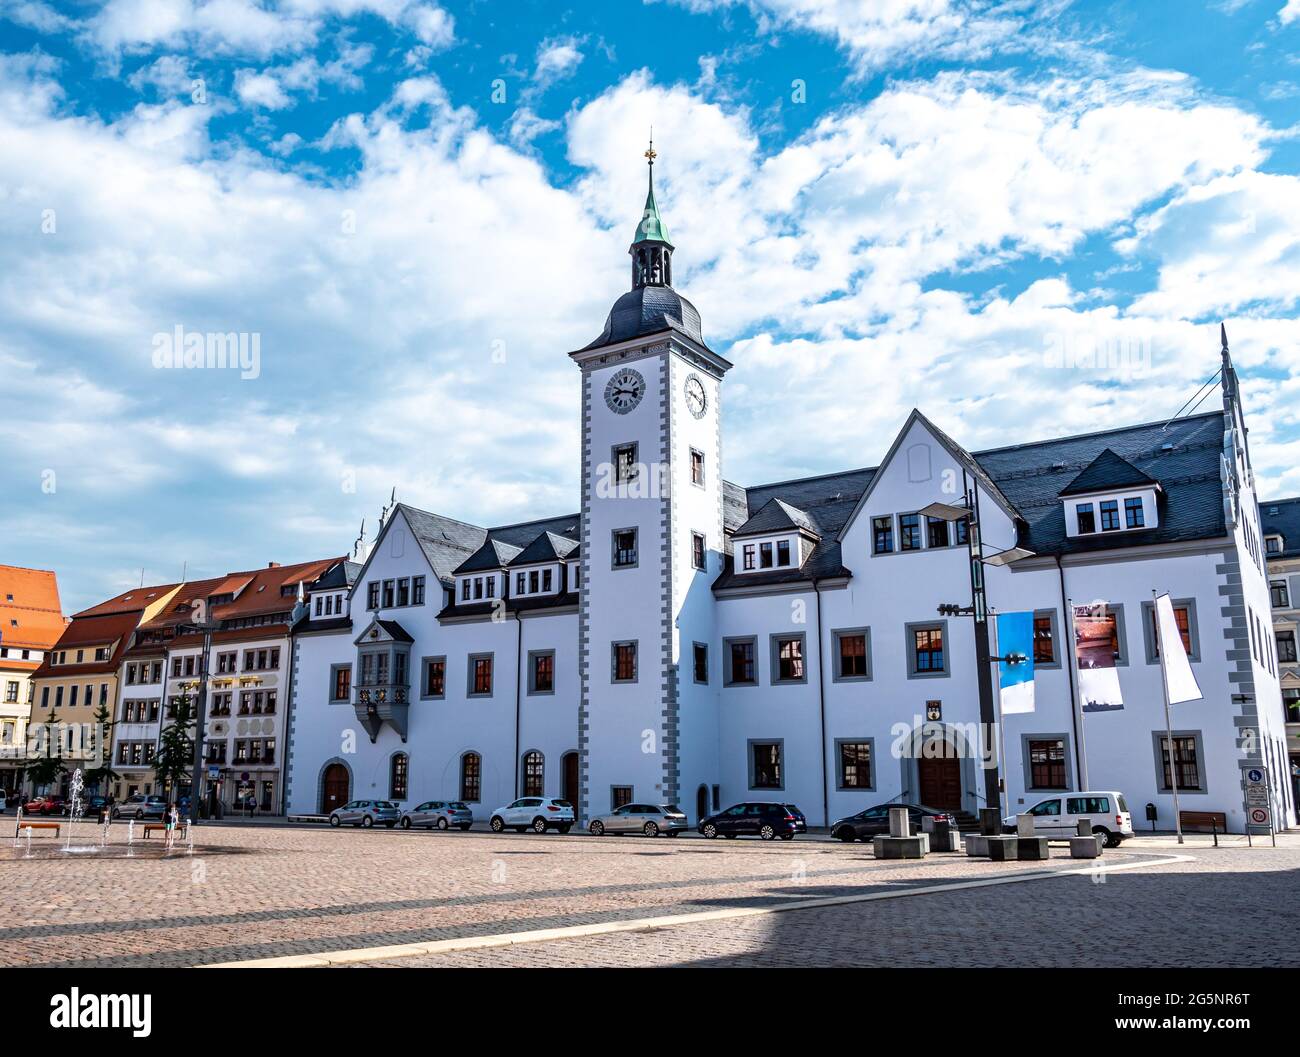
(1290, 13)
(261, 90)
(557, 58)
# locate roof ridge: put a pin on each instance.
(1095, 433)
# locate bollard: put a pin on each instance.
(1025, 826)
(900, 822)
(1084, 827)
(990, 822)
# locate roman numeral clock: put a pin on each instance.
(624, 391)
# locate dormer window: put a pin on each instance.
(464, 590)
(765, 555)
(1133, 517)
(1109, 515)
(1087, 520)
(1273, 544)
(748, 557)
(783, 553)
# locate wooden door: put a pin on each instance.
(570, 764)
(335, 788)
(940, 781)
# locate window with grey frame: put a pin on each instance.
(625, 466)
(480, 675)
(534, 773)
(765, 765)
(697, 467)
(340, 682)
(541, 672)
(399, 768)
(700, 662)
(788, 664)
(854, 764)
(1047, 764)
(1277, 594)
(927, 654)
(741, 661)
(852, 657)
(1188, 754)
(623, 662)
(1184, 617)
(699, 555)
(433, 678)
(624, 548)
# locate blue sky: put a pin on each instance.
(417, 208)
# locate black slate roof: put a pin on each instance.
(494, 554)
(524, 604)
(777, 516)
(1182, 456)
(1281, 517)
(448, 543)
(341, 574)
(649, 310)
(548, 547)
(1105, 472)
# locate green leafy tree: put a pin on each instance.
(175, 760)
(102, 775)
(46, 770)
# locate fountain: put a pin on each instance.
(28, 831)
(76, 811)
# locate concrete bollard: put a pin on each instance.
(1084, 828)
(900, 822)
(1088, 847)
(1025, 826)
(943, 835)
(990, 822)
(1003, 849)
(977, 846)
(913, 847)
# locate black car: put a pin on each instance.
(874, 821)
(800, 820)
(760, 820)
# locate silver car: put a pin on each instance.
(667, 819)
(439, 814)
(366, 813)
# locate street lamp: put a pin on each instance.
(969, 512)
(205, 629)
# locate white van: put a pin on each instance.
(1058, 816)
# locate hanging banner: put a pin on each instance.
(1179, 680)
(1016, 679)
(1096, 639)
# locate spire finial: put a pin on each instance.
(650, 154)
(1223, 335)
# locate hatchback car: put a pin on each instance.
(45, 805)
(538, 813)
(1058, 817)
(438, 814)
(756, 819)
(874, 821)
(366, 813)
(140, 806)
(800, 819)
(667, 819)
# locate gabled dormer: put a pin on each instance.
(538, 569)
(481, 576)
(778, 536)
(1110, 495)
(382, 690)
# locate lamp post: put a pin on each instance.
(200, 719)
(969, 512)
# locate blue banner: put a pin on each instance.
(1016, 668)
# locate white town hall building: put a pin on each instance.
(683, 639)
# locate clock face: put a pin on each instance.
(696, 400)
(624, 391)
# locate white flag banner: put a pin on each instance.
(1179, 679)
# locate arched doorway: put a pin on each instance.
(701, 803)
(569, 763)
(334, 787)
(939, 779)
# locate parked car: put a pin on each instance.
(1058, 817)
(95, 805)
(366, 813)
(45, 805)
(440, 814)
(649, 819)
(756, 819)
(800, 820)
(140, 806)
(874, 821)
(538, 813)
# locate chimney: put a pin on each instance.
(273, 565)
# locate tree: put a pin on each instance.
(45, 770)
(102, 775)
(175, 759)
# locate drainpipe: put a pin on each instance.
(821, 701)
(519, 678)
(288, 723)
(1068, 622)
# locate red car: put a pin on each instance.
(45, 805)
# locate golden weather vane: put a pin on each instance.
(650, 154)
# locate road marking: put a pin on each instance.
(567, 932)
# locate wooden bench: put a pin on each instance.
(25, 824)
(155, 827)
(1203, 821)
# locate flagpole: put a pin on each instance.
(1078, 697)
(1004, 795)
(1169, 730)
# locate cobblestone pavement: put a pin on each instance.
(261, 891)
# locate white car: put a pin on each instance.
(538, 813)
(1058, 817)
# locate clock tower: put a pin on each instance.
(652, 542)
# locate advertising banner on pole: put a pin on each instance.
(1016, 679)
(1096, 641)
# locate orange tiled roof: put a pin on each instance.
(263, 593)
(35, 607)
(113, 629)
(132, 601)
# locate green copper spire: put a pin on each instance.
(652, 227)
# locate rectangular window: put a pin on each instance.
(490, 586)
(851, 654)
(342, 678)
(1047, 764)
(534, 581)
(1286, 652)
(882, 535)
(471, 777)
(765, 555)
(788, 659)
(624, 659)
(478, 587)
(740, 662)
(548, 579)
(697, 551)
(480, 672)
(697, 467)
(541, 677)
(1087, 523)
(700, 665)
(389, 586)
(936, 530)
(1109, 515)
(1187, 765)
(434, 681)
(782, 553)
(749, 552)
(624, 548)
(521, 583)
(464, 590)
(624, 463)
(1133, 516)
(372, 595)
(619, 796)
(926, 645)
(855, 764)
(909, 532)
(1044, 647)
(404, 591)
(417, 591)
(1291, 703)
(1278, 595)
(765, 759)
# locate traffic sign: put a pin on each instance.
(1259, 816)
(1255, 776)
(1257, 795)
